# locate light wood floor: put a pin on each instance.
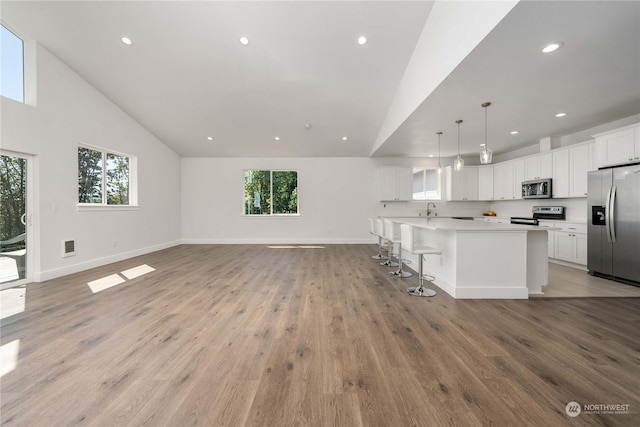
(567, 282)
(249, 335)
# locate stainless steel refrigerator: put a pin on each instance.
(614, 223)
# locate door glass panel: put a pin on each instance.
(13, 218)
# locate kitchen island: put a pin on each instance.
(482, 259)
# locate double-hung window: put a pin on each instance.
(270, 192)
(106, 178)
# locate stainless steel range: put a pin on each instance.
(540, 212)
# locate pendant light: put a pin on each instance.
(458, 164)
(439, 165)
(485, 155)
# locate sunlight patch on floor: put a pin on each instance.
(118, 279)
(105, 283)
(9, 357)
(138, 271)
(12, 301)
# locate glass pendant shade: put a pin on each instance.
(486, 156)
(458, 164)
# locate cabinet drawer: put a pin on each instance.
(572, 227)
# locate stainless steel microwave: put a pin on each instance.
(537, 189)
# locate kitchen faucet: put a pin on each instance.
(429, 207)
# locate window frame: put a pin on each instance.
(133, 181)
(439, 185)
(22, 60)
(271, 214)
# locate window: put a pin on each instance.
(270, 192)
(12, 65)
(427, 184)
(105, 178)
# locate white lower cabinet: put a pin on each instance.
(571, 243)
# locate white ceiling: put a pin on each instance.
(187, 76)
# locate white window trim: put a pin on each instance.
(133, 183)
(271, 215)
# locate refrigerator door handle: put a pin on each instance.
(612, 223)
(607, 215)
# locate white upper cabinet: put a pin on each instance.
(560, 183)
(538, 166)
(618, 147)
(485, 183)
(504, 183)
(462, 185)
(395, 184)
(518, 177)
(579, 168)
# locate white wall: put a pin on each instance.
(336, 196)
(70, 111)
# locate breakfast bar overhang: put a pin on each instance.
(481, 259)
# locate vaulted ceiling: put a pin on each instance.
(304, 78)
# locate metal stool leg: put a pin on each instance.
(379, 255)
(400, 272)
(389, 262)
(421, 291)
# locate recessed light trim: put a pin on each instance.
(561, 115)
(209, 138)
(277, 138)
(552, 47)
(244, 41)
(127, 41)
(514, 132)
(344, 138)
(362, 40)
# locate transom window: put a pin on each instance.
(427, 184)
(270, 192)
(105, 178)
(11, 65)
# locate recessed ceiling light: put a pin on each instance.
(552, 47)
(514, 132)
(483, 145)
(561, 114)
(210, 138)
(127, 41)
(277, 138)
(344, 138)
(307, 126)
(362, 40)
(244, 41)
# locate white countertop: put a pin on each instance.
(449, 224)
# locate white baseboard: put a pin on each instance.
(85, 265)
(568, 264)
(278, 242)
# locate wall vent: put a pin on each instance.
(68, 248)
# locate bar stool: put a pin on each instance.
(380, 229)
(408, 241)
(394, 239)
(374, 232)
